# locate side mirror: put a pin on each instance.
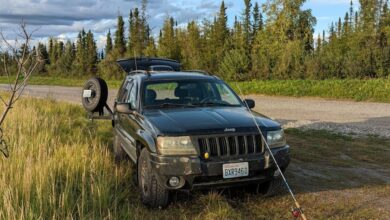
(124, 108)
(250, 103)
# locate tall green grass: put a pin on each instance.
(60, 166)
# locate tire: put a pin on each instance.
(153, 194)
(119, 154)
(99, 95)
(272, 187)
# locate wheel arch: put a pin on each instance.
(145, 140)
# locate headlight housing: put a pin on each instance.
(175, 146)
(276, 138)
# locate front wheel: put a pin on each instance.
(272, 187)
(152, 193)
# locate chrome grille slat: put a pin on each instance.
(213, 147)
(250, 144)
(219, 150)
(230, 145)
(226, 143)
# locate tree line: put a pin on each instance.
(269, 41)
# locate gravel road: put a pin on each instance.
(358, 118)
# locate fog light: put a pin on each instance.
(174, 181)
(277, 173)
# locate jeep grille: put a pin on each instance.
(228, 146)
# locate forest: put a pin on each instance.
(269, 41)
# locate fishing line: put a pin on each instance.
(297, 212)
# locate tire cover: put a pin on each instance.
(94, 95)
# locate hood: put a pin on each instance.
(199, 121)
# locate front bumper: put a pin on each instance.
(195, 173)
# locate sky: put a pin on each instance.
(63, 19)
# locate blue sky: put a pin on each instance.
(54, 18)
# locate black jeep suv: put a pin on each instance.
(189, 130)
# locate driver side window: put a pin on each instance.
(132, 96)
(124, 93)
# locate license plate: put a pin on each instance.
(234, 170)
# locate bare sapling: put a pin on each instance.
(17, 53)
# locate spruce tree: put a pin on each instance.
(257, 20)
(66, 62)
(80, 66)
(319, 42)
(108, 42)
(339, 29)
(346, 24)
(120, 44)
(247, 23)
(51, 51)
(351, 13)
(92, 56)
(168, 45)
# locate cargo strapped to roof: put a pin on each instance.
(147, 64)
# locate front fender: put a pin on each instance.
(147, 140)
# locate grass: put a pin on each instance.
(61, 167)
(376, 90)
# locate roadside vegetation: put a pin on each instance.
(375, 90)
(61, 167)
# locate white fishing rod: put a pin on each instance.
(297, 211)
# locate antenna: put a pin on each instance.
(135, 61)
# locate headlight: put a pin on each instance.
(175, 146)
(276, 138)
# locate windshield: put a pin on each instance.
(188, 93)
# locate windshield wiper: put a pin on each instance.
(169, 105)
(214, 104)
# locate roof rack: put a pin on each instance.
(197, 71)
(139, 71)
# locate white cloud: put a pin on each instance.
(63, 19)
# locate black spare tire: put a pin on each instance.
(95, 94)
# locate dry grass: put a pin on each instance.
(61, 167)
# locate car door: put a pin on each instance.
(126, 125)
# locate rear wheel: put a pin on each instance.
(152, 193)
